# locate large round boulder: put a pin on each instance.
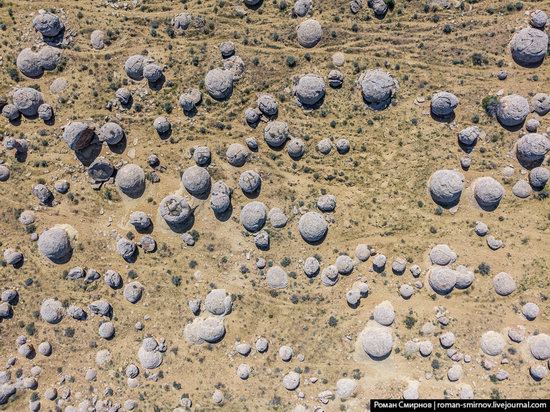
(443, 104)
(130, 179)
(175, 210)
(313, 227)
(488, 192)
(196, 180)
(27, 100)
(219, 84)
(310, 90)
(446, 187)
(512, 110)
(54, 244)
(531, 149)
(253, 216)
(48, 24)
(529, 46)
(309, 33)
(276, 133)
(378, 88)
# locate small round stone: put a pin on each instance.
(504, 284)
(530, 310)
(443, 104)
(291, 381)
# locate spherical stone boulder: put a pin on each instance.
(277, 278)
(78, 135)
(529, 46)
(262, 344)
(530, 310)
(100, 170)
(152, 72)
(378, 88)
(326, 203)
(464, 277)
(442, 280)
(276, 133)
(267, 105)
(45, 348)
(296, 148)
(532, 125)
(313, 227)
(27, 100)
(309, 33)
(262, 239)
(210, 330)
(454, 373)
(10, 112)
(55, 245)
(236, 154)
(335, 79)
(202, 155)
(29, 63)
(52, 311)
(130, 180)
(540, 103)
(488, 193)
(49, 57)
(175, 210)
(97, 39)
(539, 345)
(243, 371)
(149, 355)
(43, 194)
(162, 125)
(384, 313)
(253, 216)
(252, 116)
(538, 177)
(538, 372)
(13, 257)
(342, 146)
(220, 198)
(406, 291)
(346, 387)
(107, 330)
(196, 180)
(447, 339)
(311, 266)
(492, 343)
(218, 302)
(111, 133)
(446, 187)
(250, 181)
(182, 21)
(538, 19)
(442, 255)
(425, 348)
(531, 149)
(522, 189)
(512, 110)
(504, 284)
(45, 112)
(344, 264)
(134, 66)
(362, 252)
(219, 84)
(302, 7)
(189, 100)
(310, 90)
(379, 262)
(113, 279)
(443, 104)
(133, 292)
(126, 248)
(48, 24)
(470, 135)
(377, 341)
(291, 381)
(329, 275)
(399, 265)
(324, 146)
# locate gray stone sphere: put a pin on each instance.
(152, 72)
(442, 255)
(377, 341)
(111, 133)
(342, 146)
(202, 155)
(277, 218)
(311, 267)
(55, 245)
(52, 311)
(175, 210)
(49, 57)
(126, 248)
(78, 135)
(196, 180)
(252, 116)
(442, 280)
(488, 192)
(97, 39)
(538, 19)
(326, 203)
(133, 292)
(335, 79)
(302, 7)
(190, 99)
(529, 46)
(539, 345)
(277, 278)
(45, 112)
(324, 146)
(10, 112)
(378, 88)
(522, 189)
(236, 154)
(443, 104)
(540, 103)
(219, 84)
(27, 100)
(291, 381)
(446, 187)
(124, 96)
(309, 33)
(182, 21)
(250, 181)
(313, 227)
(492, 343)
(470, 135)
(512, 110)
(134, 66)
(43, 194)
(140, 220)
(296, 148)
(532, 125)
(29, 63)
(504, 284)
(227, 49)
(276, 133)
(48, 24)
(100, 170)
(384, 313)
(162, 125)
(253, 216)
(130, 179)
(538, 177)
(220, 197)
(267, 105)
(531, 149)
(530, 310)
(310, 90)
